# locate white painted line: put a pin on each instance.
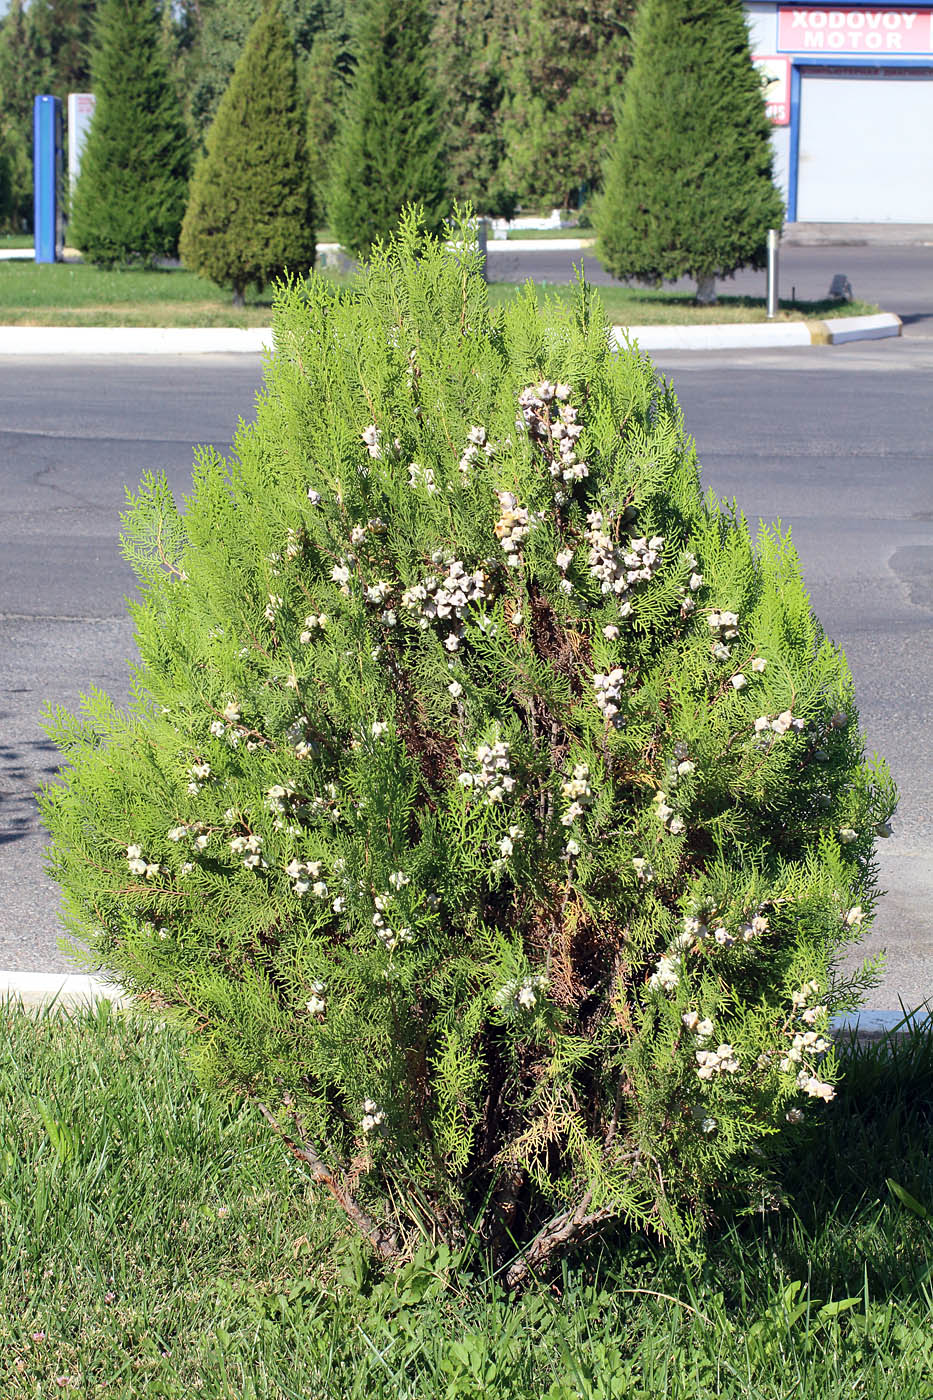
(8, 254)
(878, 327)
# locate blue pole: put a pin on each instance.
(47, 171)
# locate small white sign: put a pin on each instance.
(80, 111)
(775, 73)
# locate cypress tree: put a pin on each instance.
(130, 196)
(469, 45)
(322, 91)
(250, 215)
(388, 152)
(565, 60)
(688, 183)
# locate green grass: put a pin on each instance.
(73, 294)
(156, 1243)
(646, 306)
(16, 240)
(518, 235)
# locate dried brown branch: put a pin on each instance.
(559, 1233)
(382, 1240)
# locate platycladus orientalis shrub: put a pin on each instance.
(491, 807)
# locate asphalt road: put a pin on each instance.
(899, 279)
(834, 441)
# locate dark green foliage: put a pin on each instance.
(388, 151)
(469, 43)
(130, 196)
(493, 806)
(324, 89)
(250, 216)
(688, 186)
(43, 49)
(215, 37)
(564, 63)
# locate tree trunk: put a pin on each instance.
(706, 291)
(238, 299)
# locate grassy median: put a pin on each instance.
(76, 294)
(154, 1242)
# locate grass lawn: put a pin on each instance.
(156, 1243)
(16, 240)
(517, 235)
(73, 294)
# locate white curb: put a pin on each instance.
(38, 989)
(539, 245)
(133, 340)
(61, 988)
(874, 1025)
(740, 336)
(220, 340)
(844, 328)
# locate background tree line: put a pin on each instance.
(523, 94)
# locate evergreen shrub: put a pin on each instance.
(250, 215)
(492, 807)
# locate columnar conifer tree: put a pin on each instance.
(216, 32)
(130, 197)
(493, 805)
(388, 151)
(564, 62)
(688, 188)
(250, 216)
(468, 45)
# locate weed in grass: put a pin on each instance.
(154, 1242)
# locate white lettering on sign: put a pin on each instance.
(881, 30)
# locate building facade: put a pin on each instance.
(850, 95)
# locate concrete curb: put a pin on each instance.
(133, 340)
(68, 990)
(192, 340)
(841, 329)
(740, 336)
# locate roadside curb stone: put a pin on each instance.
(35, 990)
(88, 341)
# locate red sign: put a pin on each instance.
(831, 29)
(775, 76)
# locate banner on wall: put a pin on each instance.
(834, 29)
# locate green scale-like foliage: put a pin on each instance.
(688, 188)
(130, 196)
(250, 214)
(388, 150)
(471, 993)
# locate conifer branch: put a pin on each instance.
(383, 1241)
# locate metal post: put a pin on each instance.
(48, 220)
(482, 239)
(773, 272)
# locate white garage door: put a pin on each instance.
(866, 146)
